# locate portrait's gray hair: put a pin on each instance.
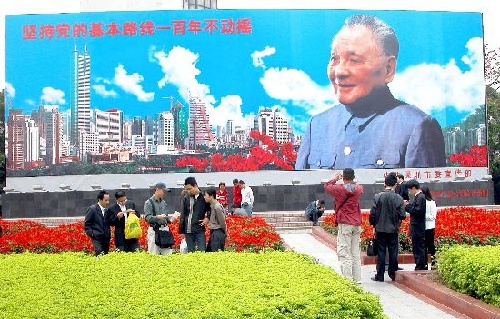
(382, 31)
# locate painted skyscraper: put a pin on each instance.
(166, 131)
(80, 96)
(54, 135)
(180, 124)
(272, 123)
(109, 127)
(31, 141)
(200, 132)
(15, 143)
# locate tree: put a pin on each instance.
(492, 78)
(492, 67)
(493, 115)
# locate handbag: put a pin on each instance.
(132, 226)
(372, 250)
(164, 238)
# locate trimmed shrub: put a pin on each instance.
(472, 270)
(198, 285)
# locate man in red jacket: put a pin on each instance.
(348, 217)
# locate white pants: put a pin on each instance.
(153, 248)
(348, 251)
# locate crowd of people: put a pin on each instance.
(390, 207)
(209, 208)
(199, 209)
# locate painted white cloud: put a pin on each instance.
(52, 96)
(179, 69)
(130, 83)
(10, 90)
(257, 56)
(229, 108)
(433, 86)
(103, 80)
(30, 102)
(101, 90)
(298, 87)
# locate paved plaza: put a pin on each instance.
(397, 303)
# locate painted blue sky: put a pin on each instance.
(282, 63)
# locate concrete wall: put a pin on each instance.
(267, 198)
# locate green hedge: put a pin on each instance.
(472, 270)
(199, 285)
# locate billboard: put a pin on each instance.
(243, 90)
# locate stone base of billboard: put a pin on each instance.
(71, 203)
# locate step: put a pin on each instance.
(52, 221)
(294, 230)
(293, 224)
(279, 214)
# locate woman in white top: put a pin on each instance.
(430, 224)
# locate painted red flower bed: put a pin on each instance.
(244, 234)
(454, 225)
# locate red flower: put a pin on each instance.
(454, 225)
(269, 154)
(476, 157)
(244, 234)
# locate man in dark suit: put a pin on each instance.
(369, 128)
(97, 222)
(122, 206)
(401, 187)
(416, 209)
(194, 216)
(386, 215)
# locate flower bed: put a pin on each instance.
(244, 234)
(454, 225)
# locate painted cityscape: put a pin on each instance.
(172, 91)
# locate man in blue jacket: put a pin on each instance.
(369, 128)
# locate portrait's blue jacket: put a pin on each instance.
(386, 134)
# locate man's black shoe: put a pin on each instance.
(420, 268)
(392, 275)
(377, 279)
(399, 268)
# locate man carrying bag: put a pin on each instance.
(159, 239)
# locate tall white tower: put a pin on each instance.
(32, 141)
(80, 95)
(166, 130)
